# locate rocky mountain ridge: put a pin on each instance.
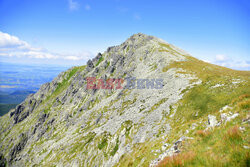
(67, 124)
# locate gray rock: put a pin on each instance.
(212, 120)
(3, 161)
(18, 147)
(19, 114)
(97, 58)
(226, 117)
(98, 119)
(76, 114)
(90, 65)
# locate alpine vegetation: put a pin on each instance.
(142, 103)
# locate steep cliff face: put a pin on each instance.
(67, 124)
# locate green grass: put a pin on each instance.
(115, 148)
(126, 104)
(79, 146)
(61, 87)
(221, 146)
(108, 64)
(167, 48)
(103, 143)
(203, 99)
(155, 106)
(128, 125)
(99, 61)
(153, 66)
(66, 82)
(127, 49)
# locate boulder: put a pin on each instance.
(212, 120)
(90, 65)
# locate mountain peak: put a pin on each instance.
(140, 35)
(99, 124)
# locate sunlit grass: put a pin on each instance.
(204, 99)
(220, 146)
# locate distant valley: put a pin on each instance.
(17, 81)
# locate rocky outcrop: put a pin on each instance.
(3, 161)
(66, 124)
(212, 121)
(18, 147)
(18, 114)
(65, 106)
(173, 150)
(90, 65)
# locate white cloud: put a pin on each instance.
(11, 46)
(72, 58)
(221, 57)
(7, 41)
(226, 61)
(85, 55)
(73, 5)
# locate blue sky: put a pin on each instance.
(69, 32)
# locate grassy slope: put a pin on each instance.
(201, 99)
(46, 104)
(197, 103)
(221, 146)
